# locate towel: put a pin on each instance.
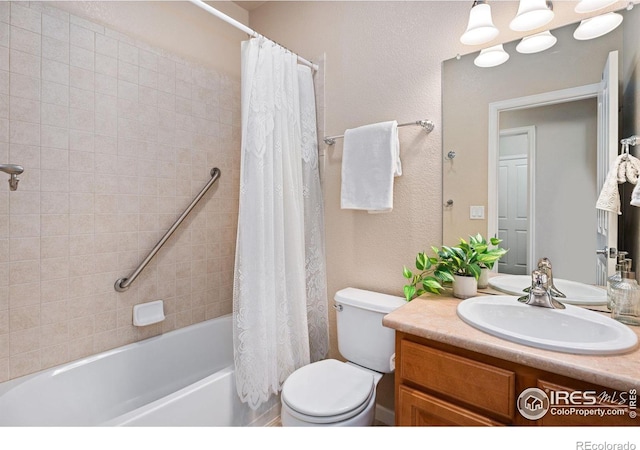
(625, 169)
(370, 161)
(635, 195)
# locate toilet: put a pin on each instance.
(336, 393)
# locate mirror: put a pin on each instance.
(558, 192)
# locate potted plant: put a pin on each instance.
(486, 256)
(460, 266)
(455, 265)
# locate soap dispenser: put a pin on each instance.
(625, 297)
(617, 276)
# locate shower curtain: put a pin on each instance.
(279, 299)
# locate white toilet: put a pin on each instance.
(336, 393)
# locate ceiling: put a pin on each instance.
(249, 5)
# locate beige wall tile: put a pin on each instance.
(4, 369)
(54, 355)
(55, 49)
(4, 345)
(53, 312)
(24, 363)
(24, 318)
(24, 341)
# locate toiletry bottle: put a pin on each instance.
(617, 276)
(626, 299)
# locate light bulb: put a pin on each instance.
(536, 43)
(491, 57)
(597, 26)
(480, 29)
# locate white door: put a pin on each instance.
(607, 228)
(513, 211)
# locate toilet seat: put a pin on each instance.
(327, 391)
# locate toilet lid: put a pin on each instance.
(327, 388)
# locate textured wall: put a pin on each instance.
(116, 137)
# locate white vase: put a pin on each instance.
(464, 287)
(483, 280)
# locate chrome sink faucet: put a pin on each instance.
(544, 265)
(540, 293)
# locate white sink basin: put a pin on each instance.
(571, 330)
(577, 293)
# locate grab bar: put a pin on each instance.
(122, 284)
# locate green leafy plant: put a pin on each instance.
(461, 260)
(466, 259)
(429, 277)
(486, 256)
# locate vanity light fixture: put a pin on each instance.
(587, 6)
(532, 14)
(491, 57)
(480, 28)
(597, 26)
(536, 43)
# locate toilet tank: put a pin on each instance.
(362, 339)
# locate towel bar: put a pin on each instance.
(426, 124)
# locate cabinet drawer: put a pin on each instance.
(419, 409)
(474, 383)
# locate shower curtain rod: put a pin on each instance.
(246, 29)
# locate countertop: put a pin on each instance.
(435, 318)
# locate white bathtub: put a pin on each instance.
(181, 378)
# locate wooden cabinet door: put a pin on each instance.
(416, 408)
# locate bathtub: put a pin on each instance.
(181, 378)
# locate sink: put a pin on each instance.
(571, 330)
(577, 293)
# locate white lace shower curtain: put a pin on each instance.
(279, 298)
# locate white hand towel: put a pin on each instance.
(609, 198)
(625, 169)
(635, 195)
(370, 161)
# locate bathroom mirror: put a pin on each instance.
(557, 192)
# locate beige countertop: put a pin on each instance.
(435, 318)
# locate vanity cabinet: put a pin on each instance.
(440, 384)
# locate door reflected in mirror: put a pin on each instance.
(547, 180)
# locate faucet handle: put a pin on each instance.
(544, 264)
(539, 285)
(539, 294)
(539, 280)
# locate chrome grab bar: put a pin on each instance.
(122, 284)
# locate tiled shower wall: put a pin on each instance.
(115, 137)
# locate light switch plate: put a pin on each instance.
(476, 212)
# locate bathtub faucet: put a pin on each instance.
(14, 170)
